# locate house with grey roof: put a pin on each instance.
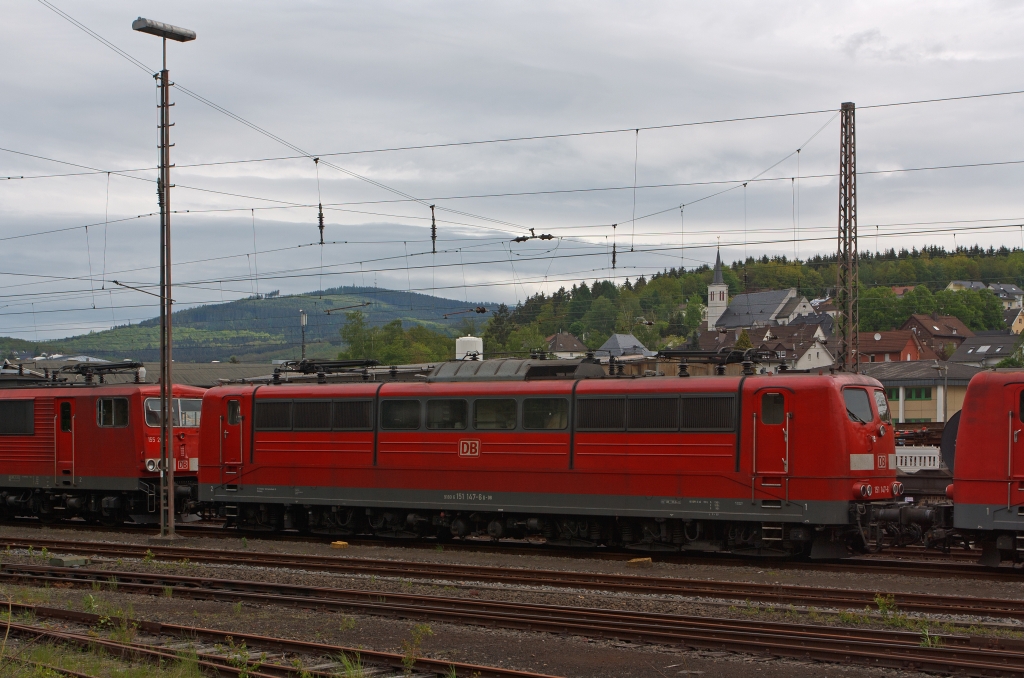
(1011, 295)
(623, 346)
(565, 345)
(761, 309)
(985, 349)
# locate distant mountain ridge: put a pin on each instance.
(261, 329)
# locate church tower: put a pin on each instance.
(718, 294)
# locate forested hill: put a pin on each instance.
(264, 328)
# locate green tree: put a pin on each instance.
(602, 316)
(743, 342)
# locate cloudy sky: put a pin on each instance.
(336, 78)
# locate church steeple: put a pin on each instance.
(718, 294)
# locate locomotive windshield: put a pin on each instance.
(883, 406)
(185, 412)
(858, 407)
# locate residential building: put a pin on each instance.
(942, 333)
(900, 290)
(800, 347)
(958, 285)
(917, 391)
(565, 345)
(623, 346)
(1014, 320)
(986, 349)
(894, 346)
(825, 321)
(1011, 295)
(825, 305)
(718, 295)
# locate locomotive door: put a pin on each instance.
(771, 433)
(231, 441)
(1015, 434)
(64, 443)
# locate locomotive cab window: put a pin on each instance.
(883, 406)
(493, 414)
(112, 412)
(1020, 407)
(400, 414)
(17, 417)
(545, 413)
(773, 408)
(65, 417)
(452, 415)
(858, 406)
(234, 412)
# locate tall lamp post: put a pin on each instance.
(302, 324)
(165, 32)
(944, 370)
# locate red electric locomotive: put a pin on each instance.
(988, 470)
(555, 449)
(91, 449)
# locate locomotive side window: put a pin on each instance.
(112, 412)
(189, 412)
(883, 406)
(17, 417)
(707, 413)
(234, 413)
(65, 417)
(447, 414)
(400, 414)
(353, 415)
(494, 414)
(858, 407)
(773, 408)
(1020, 407)
(545, 413)
(312, 415)
(601, 414)
(653, 414)
(273, 415)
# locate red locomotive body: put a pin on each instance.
(712, 463)
(988, 472)
(92, 450)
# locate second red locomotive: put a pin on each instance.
(797, 463)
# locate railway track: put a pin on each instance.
(915, 561)
(230, 653)
(947, 653)
(768, 593)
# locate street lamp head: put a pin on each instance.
(163, 30)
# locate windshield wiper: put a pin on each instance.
(854, 416)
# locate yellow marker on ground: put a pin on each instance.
(339, 544)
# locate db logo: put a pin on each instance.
(469, 448)
(182, 465)
(881, 461)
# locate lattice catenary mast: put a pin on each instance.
(848, 316)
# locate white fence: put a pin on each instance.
(917, 457)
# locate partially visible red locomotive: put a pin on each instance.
(988, 470)
(769, 464)
(92, 449)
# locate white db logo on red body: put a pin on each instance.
(469, 448)
(881, 461)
